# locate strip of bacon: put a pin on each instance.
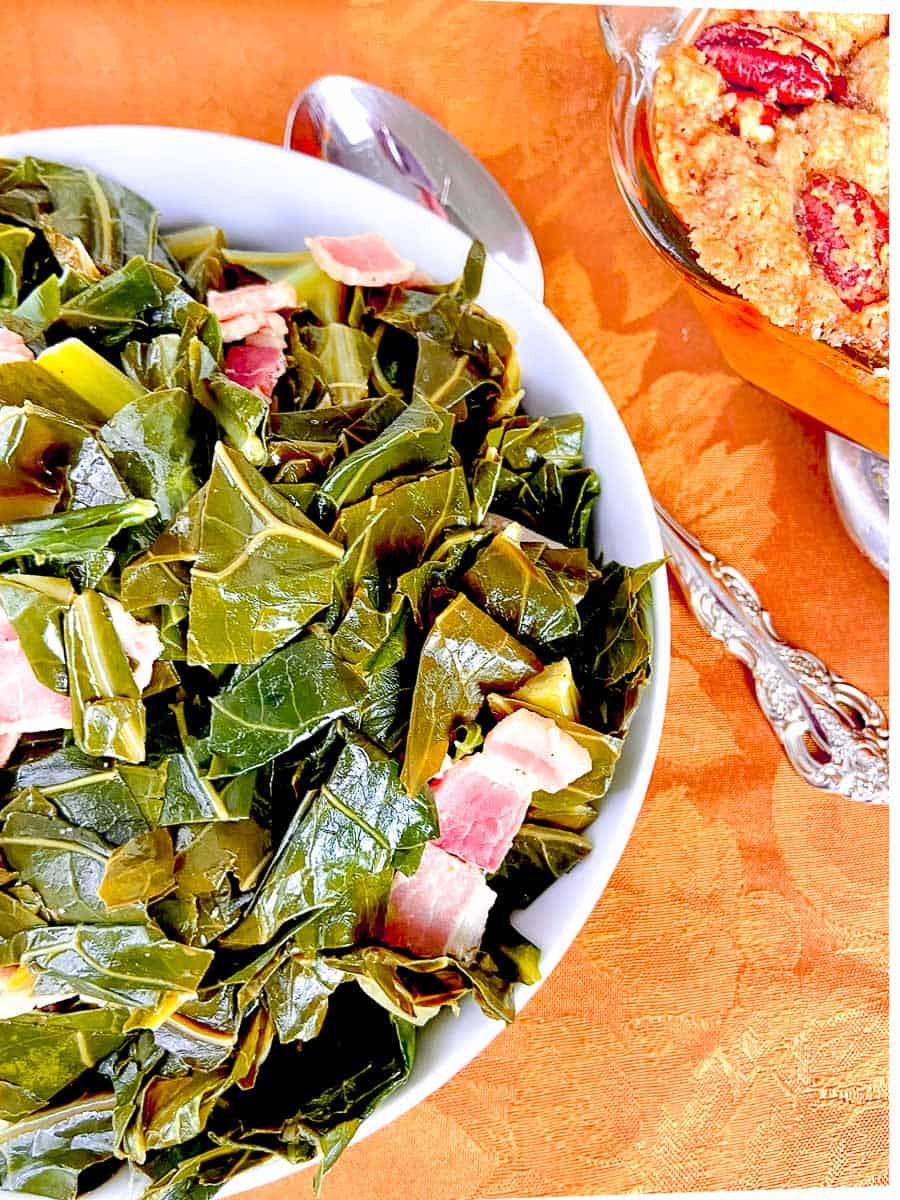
(441, 909)
(251, 298)
(272, 331)
(364, 260)
(256, 367)
(482, 800)
(12, 347)
(26, 705)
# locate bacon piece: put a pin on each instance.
(479, 815)
(12, 347)
(26, 705)
(235, 329)
(551, 758)
(364, 260)
(256, 367)
(482, 800)
(140, 640)
(441, 909)
(258, 328)
(251, 298)
(272, 331)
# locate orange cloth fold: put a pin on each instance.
(721, 1021)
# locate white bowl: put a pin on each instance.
(263, 196)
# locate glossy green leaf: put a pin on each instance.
(112, 222)
(108, 715)
(465, 656)
(141, 870)
(412, 518)
(263, 571)
(297, 995)
(36, 605)
(68, 536)
(134, 966)
(161, 575)
(43, 1052)
(14, 241)
(44, 1154)
(152, 446)
(518, 592)
(418, 437)
(64, 863)
(117, 304)
(345, 358)
(538, 857)
(116, 801)
(287, 698)
(37, 311)
(199, 252)
(338, 854)
(611, 656)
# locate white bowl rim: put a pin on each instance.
(84, 140)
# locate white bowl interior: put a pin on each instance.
(266, 197)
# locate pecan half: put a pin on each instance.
(781, 66)
(848, 234)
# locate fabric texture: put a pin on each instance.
(721, 1021)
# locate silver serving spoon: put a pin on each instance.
(835, 736)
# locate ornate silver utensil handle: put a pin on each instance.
(835, 736)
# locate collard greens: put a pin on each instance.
(351, 581)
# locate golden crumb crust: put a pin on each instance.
(740, 170)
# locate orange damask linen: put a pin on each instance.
(721, 1021)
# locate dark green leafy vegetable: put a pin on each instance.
(262, 572)
(514, 589)
(108, 715)
(133, 966)
(111, 222)
(45, 1153)
(42, 1052)
(139, 871)
(152, 447)
(116, 801)
(68, 536)
(418, 437)
(465, 656)
(539, 855)
(36, 605)
(350, 581)
(336, 860)
(63, 863)
(287, 698)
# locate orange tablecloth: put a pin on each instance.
(721, 1021)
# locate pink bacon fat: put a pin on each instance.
(12, 347)
(27, 706)
(364, 260)
(251, 299)
(441, 909)
(482, 800)
(255, 367)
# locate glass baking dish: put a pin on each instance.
(844, 391)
